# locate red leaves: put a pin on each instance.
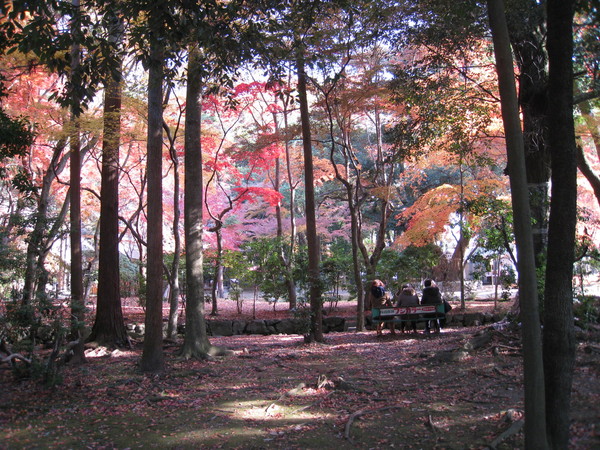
(253, 194)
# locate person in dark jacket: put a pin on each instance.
(431, 296)
(406, 297)
(379, 299)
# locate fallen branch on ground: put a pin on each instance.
(304, 408)
(13, 356)
(289, 393)
(362, 412)
(512, 430)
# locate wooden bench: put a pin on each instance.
(422, 313)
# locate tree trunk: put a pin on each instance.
(535, 425)
(559, 335)
(196, 343)
(218, 268)
(152, 355)
(173, 270)
(286, 257)
(77, 306)
(109, 326)
(41, 236)
(527, 37)
(174, 278)
(316, 329)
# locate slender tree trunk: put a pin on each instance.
(152, 356)
(174, 278)
(218, 269)
(286, 257)
(559, 334)
(40, 236)
(77, 306)
(316, 331)
(196, 343)
(535, 420)
(109, 326)
(360, 292)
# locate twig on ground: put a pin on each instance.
(362, 412)
(289, 393)
(12, 356)
(304, 408)
(512, 430)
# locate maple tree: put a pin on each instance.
(235, 185)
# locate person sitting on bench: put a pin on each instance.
(407, 297)
(379, 299)
(431, 296)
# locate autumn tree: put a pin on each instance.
(233, 167)
(271, 115)
(351, 91)
(40, 34)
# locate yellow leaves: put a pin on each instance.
(382, 192)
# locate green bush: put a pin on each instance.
(586, 309)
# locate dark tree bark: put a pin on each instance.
(526, 28)
(77, 306)
(559, 336)
(196, 343)
(152, 356)
(109, 326)
(535, 427)
(316, 329)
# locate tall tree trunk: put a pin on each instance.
(286, 253)
(527, 36)
(152, 356)
(559, 335)
(77, 305)
(196, 343)
(218, 268)
(360, 291)
(174, 270)
(316, 329)
(109, 326)
(535, 420)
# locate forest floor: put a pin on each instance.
(460, 389)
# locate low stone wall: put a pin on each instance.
(295, 326)
(458, 319)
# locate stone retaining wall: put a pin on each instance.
(330, 324)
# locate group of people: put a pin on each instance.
(406, 296)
